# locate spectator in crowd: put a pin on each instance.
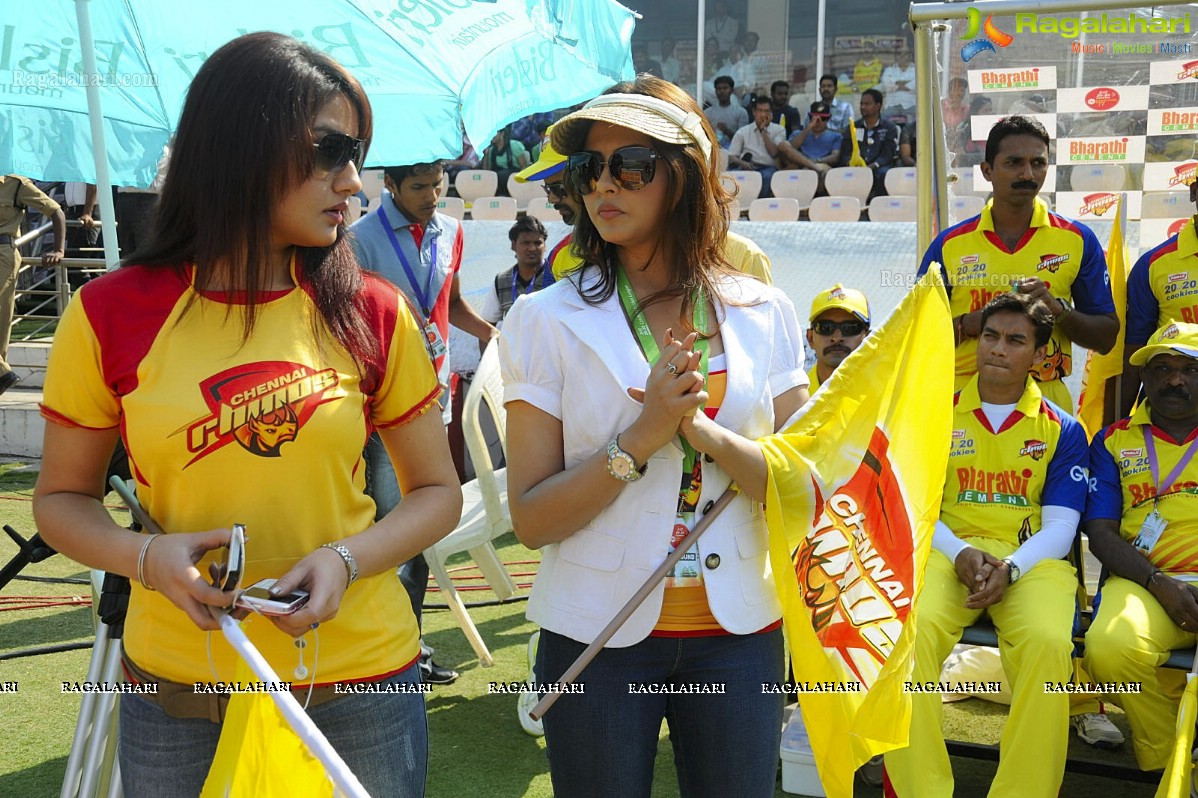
(877, 139)
(953, 108)
(721, 26)
(670, 68)
(469, 159)
(724, 115)
(842, 112)
(714, 65)
(969, 151)
(742, 72)
(79, 204)
(530, 273)
(839, 322)
(505, 157)
(815, 146)
(135, 207)
(642, 63)
(998, 549)
(529, 130)
(1017, 242)
(550, 168)
(898, 84)
(755, 146)
(749, 42)
(16, 194)
(1142, 524)
(907, 143)
(783, 112)
(867, 74)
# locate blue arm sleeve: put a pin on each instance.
(1092, 289)
(1143, 310)
(1105, 499)
(1065, 482)
(935, 254)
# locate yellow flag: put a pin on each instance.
(854, 492)
(1091, 404)
(1178, 776)
(855, 159)
(259, 754)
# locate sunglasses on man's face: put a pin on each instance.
(556, 192)
(824, 117)
(336, 150)
(848, 328)
(631, 168)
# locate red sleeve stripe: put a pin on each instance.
(1063, 223)
(425, 404)
(967, 226)
(1121, 424)
(53, 415)
(1167, 248)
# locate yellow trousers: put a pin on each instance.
(1034, 621)
(1130, 636)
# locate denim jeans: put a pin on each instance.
(602, 743)
(383, 487)
(383, 737)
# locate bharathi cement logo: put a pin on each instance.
(992, 36)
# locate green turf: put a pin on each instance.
(477, 746)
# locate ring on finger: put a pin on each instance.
(671, 368)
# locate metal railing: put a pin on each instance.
(47, 287)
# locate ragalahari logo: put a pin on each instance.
(993, 35)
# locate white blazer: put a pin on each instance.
(575, 362)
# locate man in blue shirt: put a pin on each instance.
(816, 146)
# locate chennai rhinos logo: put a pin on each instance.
(854, 568)
(260, 405)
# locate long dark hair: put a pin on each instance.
(694, 222)
(244, 141)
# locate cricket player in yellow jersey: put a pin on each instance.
(1017, 244)
(1013, 496)
(1142, 521)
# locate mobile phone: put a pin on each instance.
(257, 597)
(232, 565)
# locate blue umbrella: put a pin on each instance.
(432, 68)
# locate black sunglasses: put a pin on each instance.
(556, 192)
(847, 328)
(632, 168)
(336, 150)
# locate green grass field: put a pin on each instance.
(477, 746)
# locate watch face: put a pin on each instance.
(621, 467)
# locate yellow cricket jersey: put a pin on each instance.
(1163, 286)
(813, 378)
(998, 480)
(977, 265)
(742, 253)
(1122, 488)
(267, 432)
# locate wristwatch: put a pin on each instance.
(621, 465)
(1014, 570)
(1066, 309)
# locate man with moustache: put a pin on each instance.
(550, 168)
(839, 323)
(1017, 244)
(842, 111)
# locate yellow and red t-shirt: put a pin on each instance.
(1122, 488)
(1163, 286)
(977, 265)
(267, 432)
(998, 480)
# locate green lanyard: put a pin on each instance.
(640, 327)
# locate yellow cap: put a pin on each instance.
(550, 163)
(838, 296)
(1177, 338)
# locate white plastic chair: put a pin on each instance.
(524, 193)
(452, 206)
(900, 182)
(748, 184)
(499, 209)
(893, 209)
(354, 212)
(849, 181)
(474, 183)
(734, 210)
(800, 184)
(485, 513)
(962, 208)
(543, 209)
(1098, 177)
(372, 184)
(1165, 205)
(780, 209)
(834, 209)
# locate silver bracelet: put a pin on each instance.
(141, 562)
(351, 565)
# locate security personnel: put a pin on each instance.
(16, 194)
(1013, 496)
(1142, 521)
(839, 323)
(1017, 244)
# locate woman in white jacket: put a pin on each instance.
(601, 371)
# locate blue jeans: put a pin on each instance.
(383, 738)
(602, 743)
(383, 487)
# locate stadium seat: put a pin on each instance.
(1098, 177)
(734, 210)
(354, 212)
(543, 209)
(893, 209)
(1165, 205)
(962, 208)
(781, 209)
(452, 206)
(372, 185)
(800, 184)
(498, 209)
(900, 182)
(475, 183)
(748, 185)
(834, 209)
(849, 181)
(524, 193)
(964, 184)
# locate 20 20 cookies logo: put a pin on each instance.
(260, 405)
